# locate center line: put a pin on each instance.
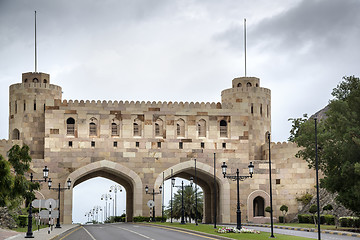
(136, 233)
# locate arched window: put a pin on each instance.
(159, 128)
(180, 128)
(223, 128)
(137, 127)
(202, 128)
(16, 134)
(25, 80)
(249, 84)
(70, 126)
(93, 130)
(45, 81)
(239, 85)
(114, 129)
(259, 207)
(35, 80)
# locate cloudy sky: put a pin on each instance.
(183, 50)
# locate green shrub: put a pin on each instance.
(281, 219)
(353, 222)
(141, 219)
(328, 219)
(268, 209)
(22, 220)
(305, 218)
(305, 199)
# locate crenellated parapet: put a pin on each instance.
(279, 149)
(5, 145)
(143, 104)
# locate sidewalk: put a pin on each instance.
(334, 232)
(43, 233)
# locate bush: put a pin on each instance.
(268, 209)
(305, 199)
(141, 219)
(328, 220)
(281, 219)
(305, 218)
(349, 222)
(22, 220)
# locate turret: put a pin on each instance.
(27, 104)
(252, 105)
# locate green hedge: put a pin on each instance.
(147, 219)
(349, 222)
(324, 219)
(22, 220)
(281, 219)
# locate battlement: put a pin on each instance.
(246, 90)
(143, 104)
(19, 86)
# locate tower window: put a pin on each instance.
(137, 127)
(92, 129)
(252, 108)
(249, 84)
(35, 105)
(181, 146)
(115, 144)
(92, 143)
(70, 126)
(70, 143)
(261, 109)
(16, 134)
(15, 107)
(24, 105)
(202, 145)
(180, 128)
(114, 129)
(223, 128)
(159, 144)
(202, 128)
(224, 145)
(239, 85)
(137, 144)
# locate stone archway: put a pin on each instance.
(205, 177)
(251, 208)
(111, 170)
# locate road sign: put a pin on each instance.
(45, 214)
(53, 204)
(37, 203)
(150, 203)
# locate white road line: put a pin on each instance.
(92, 237)
(136, 233)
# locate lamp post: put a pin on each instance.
(271, 205)
(215, 195)
(162, 204)
(238, 178)
(317, 179)
(59, 189)
(29, 233)
(196, 210)
(153, 193)
(115, 188)
(171, 199)
(106, 197)
(182, 198)
(96, 209)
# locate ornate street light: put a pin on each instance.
(59, 189)
(29, 233)
(182, 198)
(153, 193)
(106, 197)
(317, 179)
(115, 188)
(238, 178)
(171, 201)
(271, 205)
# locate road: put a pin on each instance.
(313, 235)
(126, 231)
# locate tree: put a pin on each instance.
(6, 182)
(338, 143)
(328, 208)
(189, 203)
(313, 210)
(20, 159)
(284, 209)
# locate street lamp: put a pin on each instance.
(115, 188)
(96, 209)
(59, 190)
(317, 179)
(196, 210)
(238, 178)
(29, 233)
(271, 205)
(182, 198)
(171, 200)
(153, 193)
(106, 197)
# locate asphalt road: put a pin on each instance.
(313, 235)
(126, 231)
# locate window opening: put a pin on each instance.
(24, 105)
(137, 144)
(202, 128)
(159, 144)
(259, 207)
(92, 129)
(70, 126)
(114, 129)
(16, 134)
(181, 145)
(92, 143)
(223, 128)
(224, 145)
(202, 145)
(70, 143)
(115, 144)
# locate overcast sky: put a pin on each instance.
(183, 50)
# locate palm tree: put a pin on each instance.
(189, 203)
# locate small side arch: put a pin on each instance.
(16, 134)
(260, 195)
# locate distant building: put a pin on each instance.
(133, 143)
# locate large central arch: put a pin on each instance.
(113, 171)
(205, 179)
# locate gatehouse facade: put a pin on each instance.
(136, 143)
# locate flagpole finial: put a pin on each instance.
(245, 42)
(35, 46)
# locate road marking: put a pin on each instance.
(70, 233)
(177, 230)
(89, 233)
(136, 233)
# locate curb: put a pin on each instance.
(188, 230)
(340, 233)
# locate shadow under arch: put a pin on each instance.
(205, 179)
(250, 205)
(113, 171)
